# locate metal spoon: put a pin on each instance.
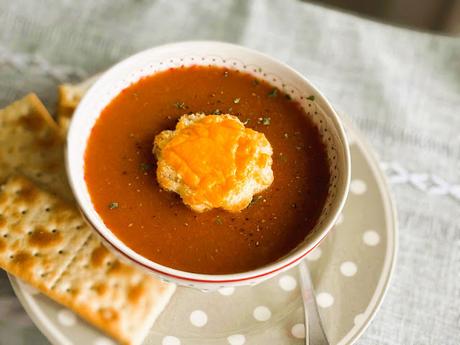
(314, 331)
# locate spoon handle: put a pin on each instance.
(314, 331)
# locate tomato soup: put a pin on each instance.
(120, 172)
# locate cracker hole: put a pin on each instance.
(47, 209)
(11, 257)
(5, 235)
(24, 211)
(54, 231)
(61, 252)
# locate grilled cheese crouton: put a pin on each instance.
(213, 161)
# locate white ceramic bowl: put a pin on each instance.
(225, 55)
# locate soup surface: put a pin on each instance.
(120, 173)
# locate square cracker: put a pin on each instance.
(31, 145)
(117, 298)
(38, 233)
(45, 242)
(69, 95)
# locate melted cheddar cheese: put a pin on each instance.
(213, 161)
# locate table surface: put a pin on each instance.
(400, 87)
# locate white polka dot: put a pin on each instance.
(170, 340)
(103, 341)
(359, 319)
(262, 313)
(198, 318)
(371, 238)
(348, 268)
(66, 317)
(226, 291)
(358, 186)
(298, 331)
(315, 254)
(287, 283)
(28, 288)
(339, 219)
(324, 300)
(236, 339)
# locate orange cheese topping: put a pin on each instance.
(213, 162)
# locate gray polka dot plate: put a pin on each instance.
(351, 270)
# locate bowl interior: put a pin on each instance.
(224, 55)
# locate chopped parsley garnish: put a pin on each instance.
(180, 105)
(273, 93)
(259, 69)
(145, 166)
(311, 98)
(219, 220)
(265, 120)
(256, 82)
(236, 100)
(113, 205)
